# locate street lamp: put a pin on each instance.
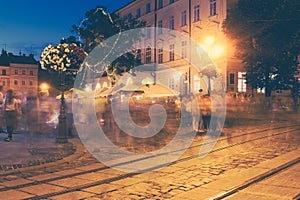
(44, 88)
(214, 51)
(62, 118)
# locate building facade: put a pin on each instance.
(19, 73)
(199, 20)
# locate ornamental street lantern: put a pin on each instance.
(62, 58)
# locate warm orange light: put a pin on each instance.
(210, 40)
(44, 86)
(217, 51)
(213, 50)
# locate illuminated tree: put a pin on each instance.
(62, 59)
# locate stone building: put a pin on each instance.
(200, 20)
(19, 73)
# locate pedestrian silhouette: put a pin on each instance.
(1, 110)
(11, 111)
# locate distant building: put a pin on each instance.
(19, 73)
(200, 20)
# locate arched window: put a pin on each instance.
(148, 55)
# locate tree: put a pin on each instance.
(267, 38)
(211, 72)
(100, 25)
(63, 60)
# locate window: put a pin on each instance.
(23, 72)
(129, 17)
(3, 71)
(122, 21)
(31, 72)
(196, 13)
(138, 12)
(16, 71)
(213, 7)
(160, 26)
(231, 78)
(148, 8)
(171, 22)
(148, 33)
(171, 1)
(172, 83)
(160, 55)
(139, 55)
(4, 83)
(30, 83)
(183, 18)
(196, 83)
(23, 82)
(172, 52)
(160, 4)
(16, 82)
(183, 49)
(148, 55)
(242, 82)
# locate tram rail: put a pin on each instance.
(280, 131)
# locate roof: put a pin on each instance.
(7, 58)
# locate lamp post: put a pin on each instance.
(214, 51)
(62, 58)
(62, 118)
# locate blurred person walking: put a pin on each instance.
(19, 113)
(196, 114)
(11, 110)
(1, 110)
(205, 108)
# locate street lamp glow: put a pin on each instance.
(210, 40)
(217, 51)
(44, 86)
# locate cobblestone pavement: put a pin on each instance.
(272, 188)
(177, 179)
(181, 180)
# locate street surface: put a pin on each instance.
(243, 162)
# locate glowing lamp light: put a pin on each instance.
(44, 86)
(217, 51)
(210, 40)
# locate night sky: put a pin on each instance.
(28, 26)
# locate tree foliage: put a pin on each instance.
(100, 25)
(267, 38)
(63, 59)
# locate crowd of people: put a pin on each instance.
(200, 112)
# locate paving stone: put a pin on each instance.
(14, 194)
(70, 182)
(16, 182)
(42, 189)
(73, 195)
(104, 188)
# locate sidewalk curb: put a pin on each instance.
(232, 181)
(256, 179)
